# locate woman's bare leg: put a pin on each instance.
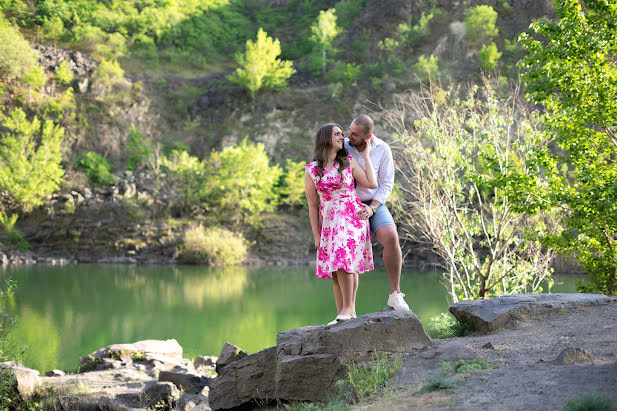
(338, 297)
(346, 283)
(356, 280)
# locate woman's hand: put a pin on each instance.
(317, 241)
(367, 150)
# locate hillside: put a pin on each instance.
(148, 79)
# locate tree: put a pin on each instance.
(489, 55)
(240, 183)
(324, 31)
(34, 79)
(260, 66)
(457, 148)
(64, 74)
(571, 71)
(480, 23)
(16, 55)
(30, 158)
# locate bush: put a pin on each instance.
(64, 74)
(16, 55)
(213, 246)
(589, 402)
(15, 237)
(107, 74)
(30, 156)
(139, 150)
(445, 325)
(488, 56)
(367, 379)
(97, 169)
(427, 68)
(189, 174)
(480, 23)
(292, 184)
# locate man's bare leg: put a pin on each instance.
(392, 255)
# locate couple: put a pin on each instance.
(339, 211)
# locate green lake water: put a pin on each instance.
(70, 311)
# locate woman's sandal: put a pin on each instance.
(340, 318)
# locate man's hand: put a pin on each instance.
(365, 212)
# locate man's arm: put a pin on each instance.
(386, 178)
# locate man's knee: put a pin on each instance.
(388, 236)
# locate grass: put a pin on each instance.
(444, 380)
(589, 402)
(367, 379)
(445, 325)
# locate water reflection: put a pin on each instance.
(68, 312)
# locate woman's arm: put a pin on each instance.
(313, 203)
(367, 176)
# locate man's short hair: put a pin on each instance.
(364, 121)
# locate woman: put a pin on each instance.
(343, 241)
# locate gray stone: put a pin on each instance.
(492, 314)
(188, 382)
(307, 361)
(229, 354)
(160, 392)
(250, 378)
(167, 348)
(573, 355)
(206, 361)
(27, 379)
(55, 373)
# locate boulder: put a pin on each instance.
(27, 379)
(451, 351)
(137, 350)
(190, 383)
(54, 373)
(205, 361)
(306, 362)
(229, 354)
(160, 393)
(573, 355)
(492, 314)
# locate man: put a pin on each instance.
(382, 224)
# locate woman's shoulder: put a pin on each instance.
(311, 167)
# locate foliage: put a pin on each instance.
(30, 158)
(241, 182)
(438, 381)
(324, 31)
(346, 73)
(107, 74)
(427, 68)
(476, 364)
(15, 237)
(8, 351)
(64, 74)
(572, 73)
(189, 174)
(213, 246)
(52, 28)
(97, 168)
(455, 196)
(346, 10)
(291, 188)
(480, 23)
(367, 379)
(9, 396)
(489, 55)
(260, 66)
(16, 56)
(139, 149)
(445, 325)
(589, 402)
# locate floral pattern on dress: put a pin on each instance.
(345, 239)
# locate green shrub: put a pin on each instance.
(15, 237)
(480, 23)
(144, 48)
(9, 396)
(292, 184)
(64, 74)
(213, 246)
(438, 381)
(189, 174)
(139, 149)
(589, 402)
(345, 73)
(260, 66)
(465, 366)
(97, 169)
(427, 68)
(445, 325)
(16, 55)
(30, 156)
(240, 183)
(367, 379)
(488, 56)
(107, 74)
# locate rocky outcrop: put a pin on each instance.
(307, 361)
(229, 354)
(574, 355)
(26, 379)
(492, 314)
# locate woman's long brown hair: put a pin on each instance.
(323, 144)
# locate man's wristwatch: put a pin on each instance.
(374, 209)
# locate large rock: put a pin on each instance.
(160, 394)
(140, 349)
(574, 355)
(492, 314)
(307, 361)
(190, 383)
(27, 380)
(229, 354)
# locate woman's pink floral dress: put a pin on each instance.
(345, 239)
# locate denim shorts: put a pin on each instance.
(381, 218)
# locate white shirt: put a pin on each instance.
(383, 163)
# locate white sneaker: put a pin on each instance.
(396, 301)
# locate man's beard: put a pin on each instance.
(358, 146)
